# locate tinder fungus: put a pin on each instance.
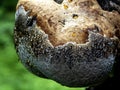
(73, 42)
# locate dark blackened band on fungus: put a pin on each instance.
(105, 5)
(109, 5)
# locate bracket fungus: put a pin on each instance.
(73, 42)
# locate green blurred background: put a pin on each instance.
(13, 75)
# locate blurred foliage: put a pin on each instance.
(13, 75)
(8, 5)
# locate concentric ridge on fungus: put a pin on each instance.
(66, 45)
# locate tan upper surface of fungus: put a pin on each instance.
(71, 20)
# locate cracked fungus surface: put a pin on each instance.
(74, 43)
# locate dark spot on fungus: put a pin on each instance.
(62, 21)
(31, 20)
(75, 16)
(58, 1)
(70, 1)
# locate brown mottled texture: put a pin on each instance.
(74, 42)
(49, 19)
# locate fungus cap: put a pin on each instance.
(73, 42)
